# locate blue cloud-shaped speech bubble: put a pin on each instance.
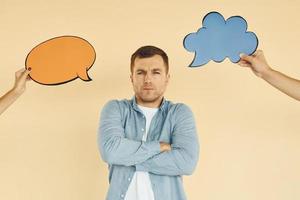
(220, 38)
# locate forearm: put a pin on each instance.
(118, 150)
(183, 157)
(172, 163)
(284, 83)
(114, 147)
(7, 99)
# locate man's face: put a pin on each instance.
(149, 78)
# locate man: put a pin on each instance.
(21, 77)
(148, 142)
(260, 67)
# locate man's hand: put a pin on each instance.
(164, 147)
(13, 94)
(260, 67)
(21, 77)
(256, 62)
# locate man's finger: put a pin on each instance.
(246, 57)
(19, 72)
(24, 75)
(244, 64)
(28, 78)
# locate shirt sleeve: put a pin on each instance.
(183, 157)
(114, 147)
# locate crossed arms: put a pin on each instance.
(150, 156)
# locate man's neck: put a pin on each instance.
(154, 104)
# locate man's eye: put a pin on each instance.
(156, 72)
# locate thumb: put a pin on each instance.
(24, 75)
(246, 58)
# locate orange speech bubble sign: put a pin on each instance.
(61, 60)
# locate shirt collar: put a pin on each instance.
(135, 106)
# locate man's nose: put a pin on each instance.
(147, 78)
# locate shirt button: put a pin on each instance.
(142, 129)
(122, 195)
(129, 179)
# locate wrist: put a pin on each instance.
(267, 72)
(17, 91)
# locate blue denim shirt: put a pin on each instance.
(122, 125)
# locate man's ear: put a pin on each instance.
(168, 77)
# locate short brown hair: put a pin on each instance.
(147, 52)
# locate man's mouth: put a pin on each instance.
(147, 88)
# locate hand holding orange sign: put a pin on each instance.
(61, 60)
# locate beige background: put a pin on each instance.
(249, 131)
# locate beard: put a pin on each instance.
(149, 96)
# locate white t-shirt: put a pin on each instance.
(140, 187)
